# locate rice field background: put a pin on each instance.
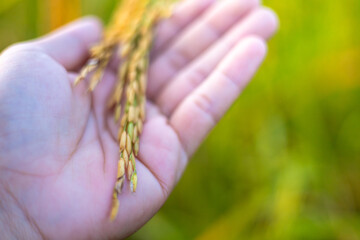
(284, 163)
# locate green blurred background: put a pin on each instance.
(284, 163)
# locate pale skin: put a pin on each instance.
(58, 151)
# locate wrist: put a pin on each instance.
(15, 223)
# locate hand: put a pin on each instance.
(58, 151)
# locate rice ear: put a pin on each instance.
(131, 32)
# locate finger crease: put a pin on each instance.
(197, 76)
(226, 77)
(204, 103)
(177, 59)
(215, 32)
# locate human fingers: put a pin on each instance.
(198, 37)
(202, 109)
(262, 23)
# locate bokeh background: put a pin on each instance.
(284, 163)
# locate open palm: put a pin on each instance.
(58, 147)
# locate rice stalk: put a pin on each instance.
(129, 37)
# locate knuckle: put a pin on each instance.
(196, 76)
(205, 104)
